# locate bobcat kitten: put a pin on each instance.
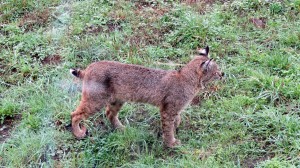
(110, 84)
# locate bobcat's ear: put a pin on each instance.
(205, 66)
(204, 52)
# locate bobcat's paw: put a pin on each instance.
(174, 144)
(80, 133)
(120, 127)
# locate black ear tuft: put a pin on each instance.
(207, 50)
(204, 52)
(75, 72)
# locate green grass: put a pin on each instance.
(251, 120)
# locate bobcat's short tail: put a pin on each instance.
(77, 73)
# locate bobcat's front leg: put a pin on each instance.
(168, 128)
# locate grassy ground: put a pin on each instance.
(250, 120)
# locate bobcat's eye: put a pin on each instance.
(219, 75)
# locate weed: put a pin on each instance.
(8, 109)
(276, 8)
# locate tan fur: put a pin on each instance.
(110, 84)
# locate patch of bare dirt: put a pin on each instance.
(259, 22)
(52, 60)
(252, 162)
(7, 127)
(35, 18)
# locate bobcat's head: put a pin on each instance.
(210, 70)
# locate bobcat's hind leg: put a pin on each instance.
(83, 111)
(177, 122)
(112, 110)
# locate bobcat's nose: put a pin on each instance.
(222, 75)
